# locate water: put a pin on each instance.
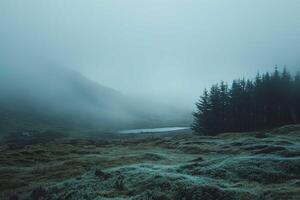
(154, 130)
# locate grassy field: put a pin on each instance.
(258, 165)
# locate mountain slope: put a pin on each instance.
(55, 97)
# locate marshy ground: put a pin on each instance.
(183, 166)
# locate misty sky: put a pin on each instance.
(168, 50)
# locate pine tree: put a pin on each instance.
(268, 101)
(224, 106)
(202, 116)
(296, 99)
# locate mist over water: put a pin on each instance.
(154, 130)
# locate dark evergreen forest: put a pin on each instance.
(269, 100)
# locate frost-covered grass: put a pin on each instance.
(260, 165)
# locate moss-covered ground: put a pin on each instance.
(257, 165)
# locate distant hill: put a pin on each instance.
(60, 98)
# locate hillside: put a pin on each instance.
(60, 98)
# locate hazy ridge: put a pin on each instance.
(60, 98)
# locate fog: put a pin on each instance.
(41, 96)
(164, 50)
(103, 99)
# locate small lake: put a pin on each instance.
(154, 130)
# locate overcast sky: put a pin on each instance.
(160, 49)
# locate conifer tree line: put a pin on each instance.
(269, 100)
